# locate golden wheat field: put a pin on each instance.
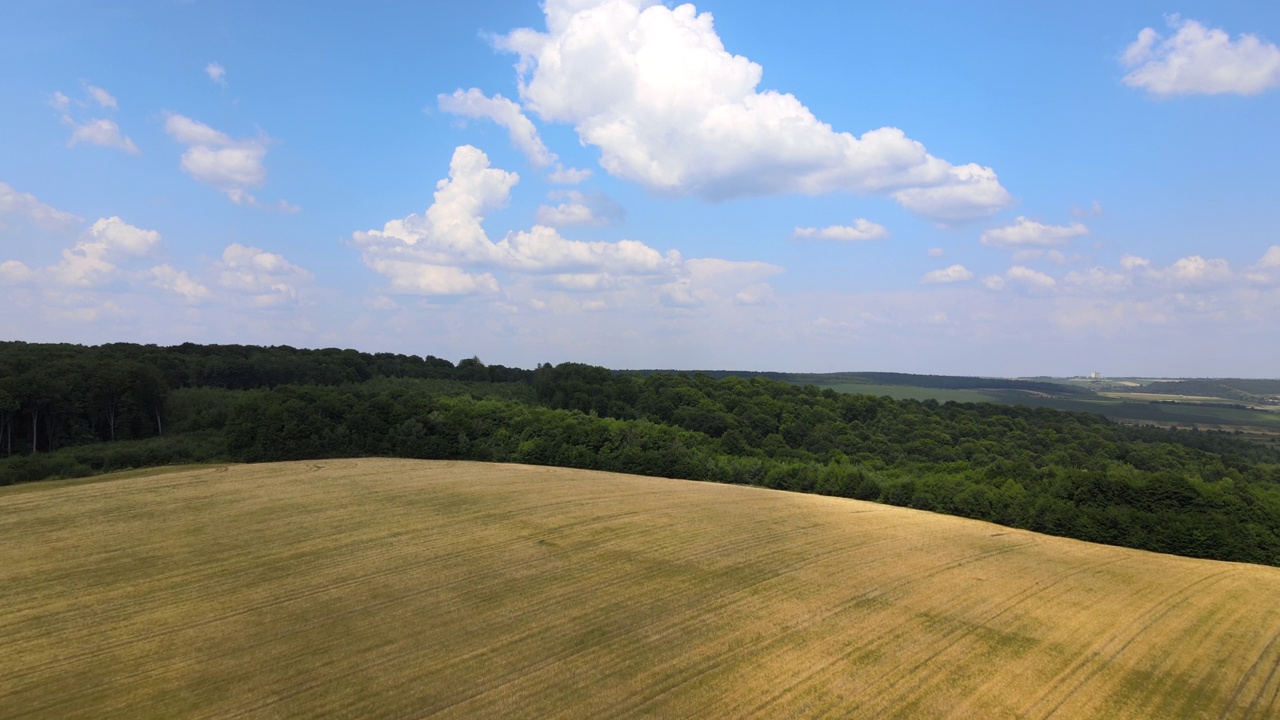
(392, 588)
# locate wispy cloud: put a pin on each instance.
(92, 131)
(1025, 232)
(216, 73)
(861, 229)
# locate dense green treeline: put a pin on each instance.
(54, 396)
(1072, 474)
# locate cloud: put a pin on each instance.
(966, 192)
(474, 104)
(216, 73)
(1196, 270)
(1098, 278)
(94, 131)
(95, 257)
(26, 205)
(1271, 258)
(1094, 210)
(92, 259)
(446, 251)
(450, 234)
(1140, 277)
(179, 282)
(267, 279)
(101, 97)
(703, 280)
(953, 274)
(568, 176)
(668, 107)
(109, 272)
(936, 252)
(242, 197)
(1130, 262)
(1199, 60)
(1025, 232)
(580, 209)
(862, 229)
(1267, 270)
(99, 131)
(216, 159)
(1029, 278)
(1022, 257)
(13, 272)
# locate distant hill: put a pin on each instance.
(1237, 389)
(940, 382)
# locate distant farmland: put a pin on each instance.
(420, 588)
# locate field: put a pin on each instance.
(1129, 406)
(419, 588)
(911, 392)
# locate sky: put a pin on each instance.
(995, 188)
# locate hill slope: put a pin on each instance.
(414, 588)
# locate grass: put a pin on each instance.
(911, 392)
(419, 588)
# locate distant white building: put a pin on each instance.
(1095, 376)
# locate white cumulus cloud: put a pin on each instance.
(1267, 270)
(861, 229)
(216, 159)
(1132, 262)
(99, 131)
(1200, 60)
(93, 131)
(1025, 232)
(1271, 259)
(13, 271)
(953, 274)
(266, 278)
(668, 107)
(446, 250)
(426, 254)
(1197, 270)
(1030, 278)
(179, 282)
(93, 259)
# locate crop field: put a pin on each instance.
(912, 392)
(399, 588)
(1131, 405)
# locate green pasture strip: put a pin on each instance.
(908, 392)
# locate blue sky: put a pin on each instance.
(994, 188)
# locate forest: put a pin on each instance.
(71, 411)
